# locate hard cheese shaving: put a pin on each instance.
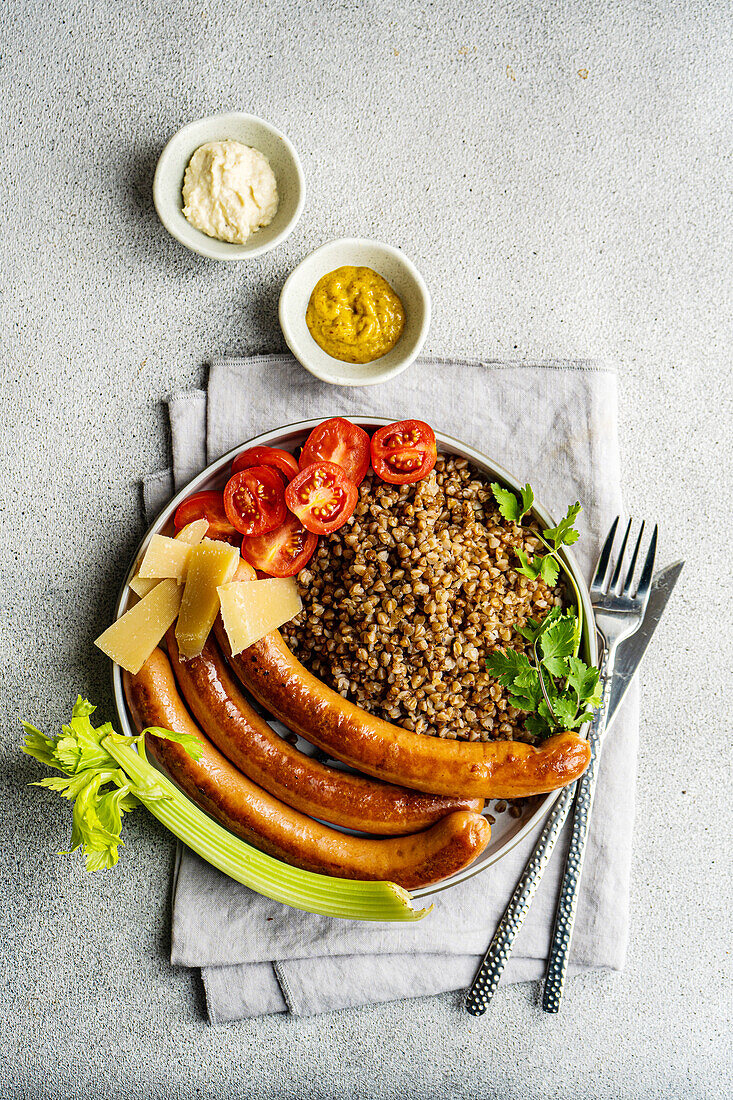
(165, 557)
(142, 585)
(157, 556)
(133, 637)
(251, 609)
(210, 565)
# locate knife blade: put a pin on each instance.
(631, 651)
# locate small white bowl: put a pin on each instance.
(403, 277)
(250, 130)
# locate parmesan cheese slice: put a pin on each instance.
(251, 609)
(210, 565)
(146, 578)
(133, 637)
(194, 532)
(165, 557)
(141, 586)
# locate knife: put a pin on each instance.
(633, 649)
(628, 659)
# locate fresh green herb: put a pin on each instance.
(558, 690)
(547, 565)
(564, 534)
(106, 775)
(509, 506)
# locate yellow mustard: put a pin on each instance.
(355, 315)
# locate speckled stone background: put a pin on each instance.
(558, 172)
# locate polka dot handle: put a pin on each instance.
(557, 962)
(489, 973)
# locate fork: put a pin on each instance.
(618, 615)
(492, 966)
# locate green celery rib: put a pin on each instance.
(332, 897)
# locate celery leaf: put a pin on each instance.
(191, 744)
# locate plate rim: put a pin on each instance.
(466, 450)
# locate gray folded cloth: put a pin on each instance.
(551, 423)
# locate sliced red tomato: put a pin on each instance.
(281, 553)
(322, 497)
(341, 442)
(282, 461)
(404, 452)
(208, 505)
(254, 500)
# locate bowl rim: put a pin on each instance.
(380, 375)
(233, 251)
(488, 466)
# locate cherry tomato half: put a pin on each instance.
(281, 553)
(208, 505)
(322, 497)
(404, 452)
(341, 442)
(254, 500)
(281, 461)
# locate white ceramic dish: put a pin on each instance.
(507, 830)
(403, 277)
(250, 130)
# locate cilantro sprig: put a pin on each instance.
(550, 682)
(546, 566)
(93, 780)
(555, 686)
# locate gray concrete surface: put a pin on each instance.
(558, 172)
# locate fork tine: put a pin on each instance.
(619, 563)
(646, 576)
(604, 558)
(632, 567)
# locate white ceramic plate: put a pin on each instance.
(507, 831)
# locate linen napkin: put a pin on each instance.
(552, 423)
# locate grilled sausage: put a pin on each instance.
(253, 814)
(495, 769)
(237, 730)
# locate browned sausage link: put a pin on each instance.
(494, 769)
(238, 804)
(352, 801)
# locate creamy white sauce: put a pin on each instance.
(229, 191)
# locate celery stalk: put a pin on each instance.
(106, 777)
(347, 898)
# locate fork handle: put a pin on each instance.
(557, 962)
(492, 966)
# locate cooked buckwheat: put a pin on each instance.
(404, 603)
